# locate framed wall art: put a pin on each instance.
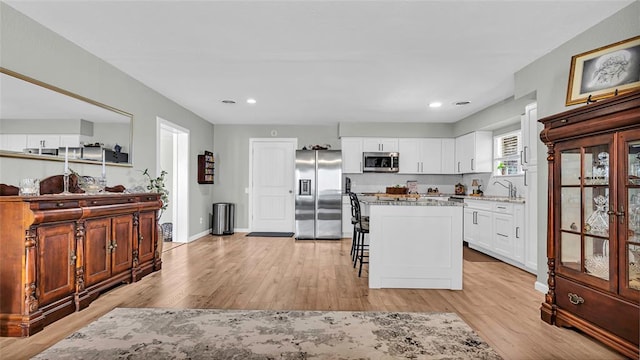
(600, 73)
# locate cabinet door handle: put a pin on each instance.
(575, 299)
(502, 207)
(517, 232)
(472, 167)
(525, 155)
(521, 157)
(418, 167)
(621, 214)
(475, 218)
(458, 166)
(503, 235)
(60, 204)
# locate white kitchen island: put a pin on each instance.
(415, 244)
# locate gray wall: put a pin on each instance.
(231, 150)
(31, 49)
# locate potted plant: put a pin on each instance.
(156, 185)
(502, 167)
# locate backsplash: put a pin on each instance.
(377, 182)
(488, 186)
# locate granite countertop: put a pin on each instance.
(423, 202)
(517, 200)
(425, 196)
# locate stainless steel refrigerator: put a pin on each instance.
(318, 194)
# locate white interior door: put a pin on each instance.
(173, 151)
(272, 184)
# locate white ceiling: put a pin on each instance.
(322, 62)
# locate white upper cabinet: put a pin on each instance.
(530, 136)
(426, 156)
(448, 156)
(13, 142)
(36, 141)
(380, 145)
(474, 152)
(351, 155)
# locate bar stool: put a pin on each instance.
(361, 227)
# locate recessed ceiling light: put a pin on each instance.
(435, 104)
(228, 101)
(461, 103)
(251, 101)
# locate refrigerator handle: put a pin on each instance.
(305, 187)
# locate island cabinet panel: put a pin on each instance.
(60, 252)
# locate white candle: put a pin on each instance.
(104, 169)
(66, 159)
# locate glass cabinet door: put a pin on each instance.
(584, 204)
(629, 216)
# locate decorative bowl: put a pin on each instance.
(90, 185)
(597, 266)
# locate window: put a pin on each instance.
(506, 157)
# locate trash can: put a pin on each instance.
(223, 220)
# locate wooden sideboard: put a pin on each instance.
(59, 252)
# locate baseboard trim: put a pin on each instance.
(542, 287)
(199, 235)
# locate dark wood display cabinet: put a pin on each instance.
(205, 168)
(59, 252)
(593, 245)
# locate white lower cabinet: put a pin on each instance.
(347, 227)
(503, 229)
(497, 229)
(477, 223)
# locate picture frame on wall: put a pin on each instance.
(599, 73)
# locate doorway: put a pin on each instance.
(173, 157)
(271, 175)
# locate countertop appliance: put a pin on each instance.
(380, 162)
(318, 212)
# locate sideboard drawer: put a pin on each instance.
(608, 312)
(54, 204)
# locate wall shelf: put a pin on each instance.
(205, 168)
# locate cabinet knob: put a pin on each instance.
(575, 299)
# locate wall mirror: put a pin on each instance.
(41, 121)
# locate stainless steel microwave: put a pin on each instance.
(380, 162)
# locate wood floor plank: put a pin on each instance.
(237, 272)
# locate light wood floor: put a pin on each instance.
(238, 272)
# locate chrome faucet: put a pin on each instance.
(512, 189)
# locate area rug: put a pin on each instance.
(128, 333)
(270, 234)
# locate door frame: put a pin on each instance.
(179, 193)
(252, 141)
